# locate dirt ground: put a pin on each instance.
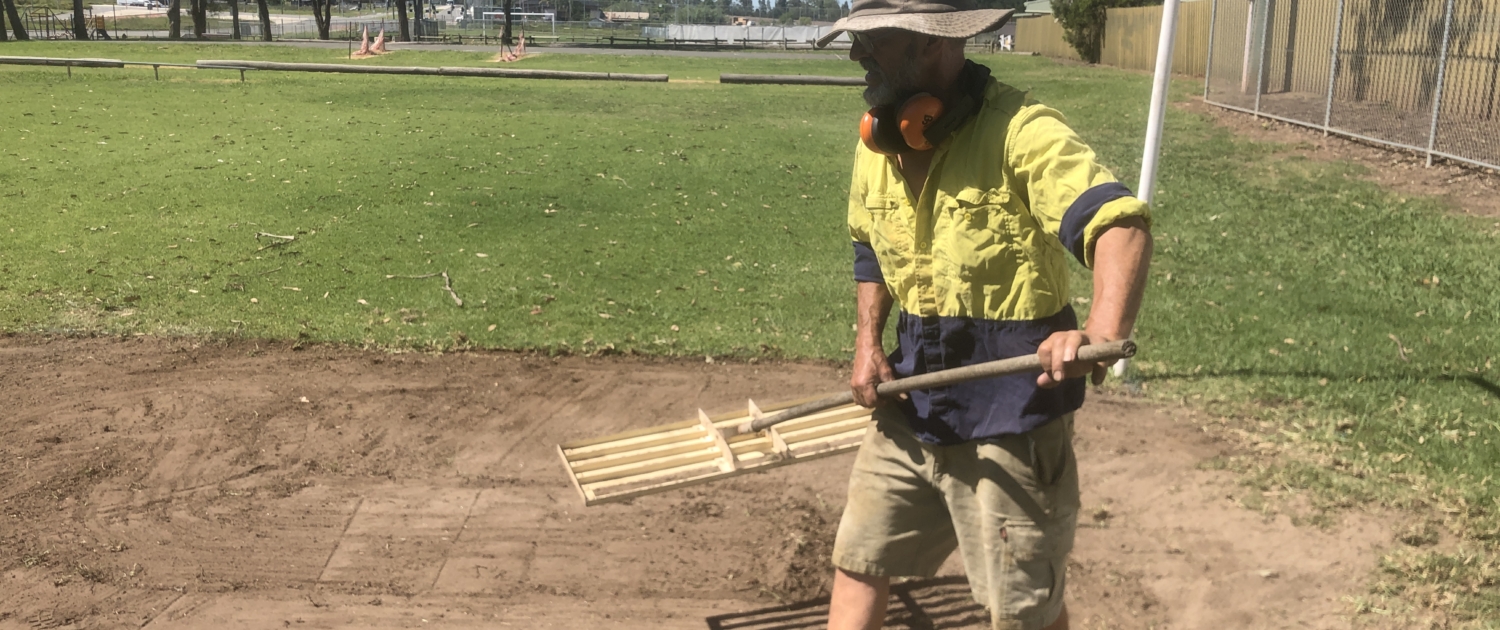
(179, 483)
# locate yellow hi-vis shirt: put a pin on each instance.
(978, 262)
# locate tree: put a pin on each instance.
(174, 20)
(1083, 22)
(4, 34)
(234, 18)
(80, 25)
(265, 20)
(16, 25)
(198, 10)
(505, 36)
(401, 20)
(322, 14)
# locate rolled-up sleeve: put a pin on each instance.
(866, 265)
(1072, 196)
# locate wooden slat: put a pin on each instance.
(606, 449)
(658, 459)
(621, 437)
(616, 495)
(708, 454)
(817, 433)
(572, 477)
(639, 455)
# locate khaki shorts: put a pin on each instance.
(1009, 505)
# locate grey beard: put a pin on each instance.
(893, 86)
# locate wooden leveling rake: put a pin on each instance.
(657, 459)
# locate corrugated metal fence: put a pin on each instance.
(1043, 35)
(1129, 38)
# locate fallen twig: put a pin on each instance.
(267, 273)
(447, 283)
(284, 240)
(1400, 350)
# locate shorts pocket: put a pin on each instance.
(1031, 541)
(1051, 447)
(1037, 572)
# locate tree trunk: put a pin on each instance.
(265, 20)
(416, 11)
(80, 24)
(4, 33)
(198, 9)
(321, 16)
(505, 36)
(234, 18)
(17, 26)
(401, 19)
(174, 20)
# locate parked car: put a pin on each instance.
(132, 3)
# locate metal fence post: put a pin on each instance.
(1333, 65)
(1260, 53)
(1437, 96)
(1213, 22)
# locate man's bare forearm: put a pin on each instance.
(1122, 257)
(873, 308)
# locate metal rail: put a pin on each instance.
(242, 66)
(70, 63)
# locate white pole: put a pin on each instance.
(1161, 82)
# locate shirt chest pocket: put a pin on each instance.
(977, 221)
(890, 226)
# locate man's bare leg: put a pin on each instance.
(858, 601)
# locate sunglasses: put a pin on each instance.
(870, 39)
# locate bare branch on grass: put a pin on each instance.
(1400, 349)
(447, 283)
(283, 240)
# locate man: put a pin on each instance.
(967, 219)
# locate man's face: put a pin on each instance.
(891, 59)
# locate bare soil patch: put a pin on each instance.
(1470, 190)
(181, 483)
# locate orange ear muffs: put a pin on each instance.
(867, 132)
(888, 134)
(879, 135)
(917, 114)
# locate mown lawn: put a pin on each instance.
(1349, 327)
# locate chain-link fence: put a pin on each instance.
(1414, 74)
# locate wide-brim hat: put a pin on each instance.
(952, 19)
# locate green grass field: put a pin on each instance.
(1352, 328)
